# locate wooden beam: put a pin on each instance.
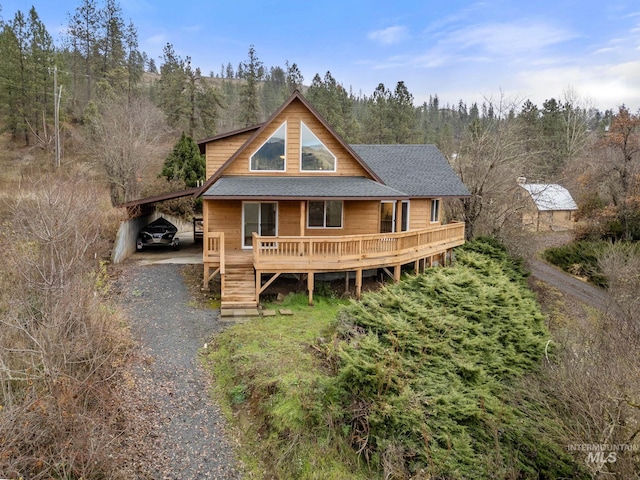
(387, 271)
(216, 271)
(206, 278)
(310, 276)
(346, 282)
(396, 272)
(258, 282)
(358, 283)
(262, 288)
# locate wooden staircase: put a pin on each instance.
(238, 287)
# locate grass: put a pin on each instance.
(269, 378)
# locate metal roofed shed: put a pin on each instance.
(550, 196)
(552, 207)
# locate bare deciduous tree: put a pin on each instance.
(126, 135)
(491, 157)
(61, 346)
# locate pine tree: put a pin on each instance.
(83, 34)
(185, 162)
(173, 80)
(377, 128)
(252, 73)
(294, 77)
(403, 119)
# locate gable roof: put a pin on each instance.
(202, 143)
(317, 187)
(550, 196)
(416, 170)
(296, 95)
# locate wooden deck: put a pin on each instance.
(310, 255)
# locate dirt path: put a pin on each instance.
(186, 437)
(582, 291)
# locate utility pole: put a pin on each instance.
(56, 112)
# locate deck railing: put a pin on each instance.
(291, 253)
(213, 251)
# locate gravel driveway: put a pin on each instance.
(187, 438)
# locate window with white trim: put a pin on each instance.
(314, 156)
(270, 157)
(324, 214)
(435, 210)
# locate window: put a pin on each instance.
(388, 220)
(435, 210)
(405, 217)
(271, 155)
(261, 218)
(324, 214)
(314, 156)
(387, 217)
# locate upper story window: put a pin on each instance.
(271, 155)
(314, 156)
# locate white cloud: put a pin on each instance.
(504, 39)
(389, 35)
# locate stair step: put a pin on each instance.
(237, 305)
(239, 288)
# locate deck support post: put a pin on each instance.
(346, 282)
(416, 266)
(205, 279)
(358, 283)
(396, 273)
(310, 287)
(258, 285)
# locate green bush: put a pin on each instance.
(431, 364)
(579, 258)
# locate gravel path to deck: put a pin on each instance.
(187, 437)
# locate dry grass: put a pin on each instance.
(63, 346)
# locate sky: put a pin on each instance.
(475, 51)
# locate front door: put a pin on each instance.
(259, 217)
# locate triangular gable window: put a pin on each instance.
(271, 155)
(314, 156)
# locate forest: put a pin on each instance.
(89, 121)
(70, 100)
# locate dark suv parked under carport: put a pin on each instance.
(159, 233)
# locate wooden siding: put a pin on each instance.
(419, 213)
(219, 151)
(225, 216)
(293, 115)
(359, 217)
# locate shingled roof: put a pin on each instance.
(295, 187)
(416, 170)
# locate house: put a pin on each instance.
(290, 196)
(548, 206)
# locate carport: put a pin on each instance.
(143, 211)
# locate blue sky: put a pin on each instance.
(456, 49)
